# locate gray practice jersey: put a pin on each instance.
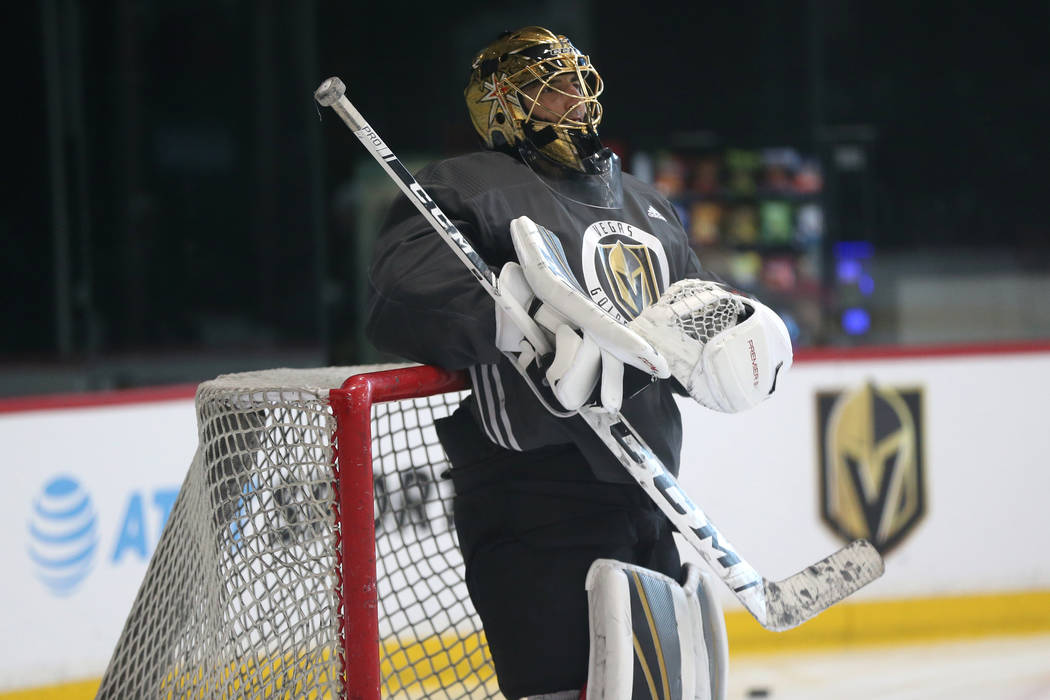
(428, 308)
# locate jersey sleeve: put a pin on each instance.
(686, 264)
(425, 305)
(693, 269)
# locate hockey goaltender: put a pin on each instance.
(570, 565)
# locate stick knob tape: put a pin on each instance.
(329, 92)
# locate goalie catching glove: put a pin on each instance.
(726, 350)
(589, 344)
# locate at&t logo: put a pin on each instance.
(63, 534)
(69, 536)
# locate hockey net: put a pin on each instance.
(268, 580)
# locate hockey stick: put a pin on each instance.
(777, 605)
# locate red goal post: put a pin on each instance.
(352, 404)
(310, 552)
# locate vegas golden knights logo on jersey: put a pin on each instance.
(871, 446)
(630, 274)
(624, 268)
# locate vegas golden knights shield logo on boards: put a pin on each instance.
(631, 275)
(871, 446)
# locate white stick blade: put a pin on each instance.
(797, 598)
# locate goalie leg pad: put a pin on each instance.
(703, 585)
(649, 636)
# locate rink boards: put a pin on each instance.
(938, 456)
(954, 487)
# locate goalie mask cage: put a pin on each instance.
(310, 552)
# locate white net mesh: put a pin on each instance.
(241, 598)
(698, 311)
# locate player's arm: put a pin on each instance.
(693, 268)
(424, 304)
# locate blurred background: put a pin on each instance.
(176, 205)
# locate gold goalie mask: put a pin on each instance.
(505, 98)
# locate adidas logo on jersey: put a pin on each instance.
(653, 214)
